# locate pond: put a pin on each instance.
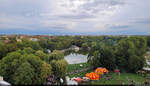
(75, 58)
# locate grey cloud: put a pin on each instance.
(99, 5)
(142, 20)
(119, 27)
(78, 16)
(92, 9)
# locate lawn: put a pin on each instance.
(73, 67)
(124, 77)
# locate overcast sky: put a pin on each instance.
(110, 17)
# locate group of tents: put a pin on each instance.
(97, 73)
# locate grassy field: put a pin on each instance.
(73, 67)
(125, 78)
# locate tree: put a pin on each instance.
(56, 55)
(61, 68)
(3, 50)
(104, 57)
(127, 55)
(93, 44)
(94, 59)
(28, 50)
(26, 43)
(9, 64)
(123, 50)
(46, 70)
(42, 55)
(23, 75)
(135, 63)
(107, 57)
(12, 67)
(85, 46)
(58, 63)
(130, 54)
(43, 44)
(6, 48)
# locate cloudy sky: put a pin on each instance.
(97, 17)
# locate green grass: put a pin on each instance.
(73, 67)
(82, 74)
(124, 77)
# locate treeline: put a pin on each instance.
(64, 42)
(127, 55)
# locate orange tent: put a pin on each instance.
(105, 70)
(92, 76)
(101, 71)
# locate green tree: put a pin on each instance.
(42, 55)
(56, 55)
(6, 48)
(46, 70)
(61, 68)
(129, 50)
(27, 43)
(23, 75)
(135, 63)
(12, 65)
(85, 46)
(28, 50)
(94, 59)
(107, 57)
(103, 57)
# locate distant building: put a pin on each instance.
(4, 83)
(33, 39)
(7, 40)
(18, 40)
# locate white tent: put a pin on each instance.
(4, 83)
(70, 82)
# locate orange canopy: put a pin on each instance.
(101, 71)
(92, 76)
(105, 70)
